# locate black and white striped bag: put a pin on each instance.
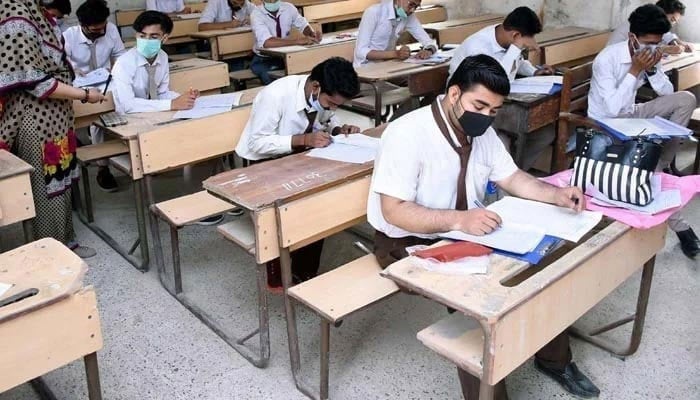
(620, 171)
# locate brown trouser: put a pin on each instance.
(555, 354)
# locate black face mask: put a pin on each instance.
(92, 35)
(235, 9)
(473, 124)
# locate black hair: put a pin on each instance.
(337, 76)
(148, 18)
(523, 20)
(671, 6)
(649, 19)
(92, 12)
(61, 5)
(481, 70)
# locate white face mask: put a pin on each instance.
(315, 104)
(639, 47)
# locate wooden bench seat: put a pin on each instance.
(122, 163)
(192, 208)
(458, 339)
(100, 151)
(240, 231)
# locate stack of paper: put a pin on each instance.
(536, 84)
(189, 16)
(206, 106)
(92, 78)
(355, 149)
(663, 199)
(437, 58)
(511, 237)
(627, 128)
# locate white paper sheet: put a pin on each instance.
(359, 140)
(92, 78)
(553, 220)
(4, 287)
(345, 153)
(541, 79)
(189, 16)
(632, 127)
(206, 106)
(512, 237)
(663, 200)
(533, 88)
(437, 58)
(197, 113)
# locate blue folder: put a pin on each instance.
(545, 247)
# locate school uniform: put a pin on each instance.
(138, 86)
(422, 160)
(86, 55)
(512, 61)
(267, 25)
(218, 11)
(613, 93)
(165, 6)
(380, 29)
(621, 34)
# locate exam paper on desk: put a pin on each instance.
(511, 237)
(355, 149)
(206, 106)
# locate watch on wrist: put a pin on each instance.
(87, 96)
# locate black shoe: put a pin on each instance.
(690, 244)
(106, 181)
(571, 379)
(213, 220)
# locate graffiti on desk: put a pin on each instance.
(237, 181)
(299, 183)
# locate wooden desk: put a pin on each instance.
(126, 18)
(457, 30)
(336, 11)
(523, 114)
(431, 13)
(301, 59)
(16, 199)
(684, 69)
(563, 45)
(510, 311)
(205, 75)
(305, 3)
(57, 325)
(421, 78)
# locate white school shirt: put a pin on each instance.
(130, 84)
(108, 47)
(484, 42)
(279, 112)
(218, 11)
(379, 23)
(165, 6)
(415, 163)
(621, 34)
(265, 27)
(613, 88)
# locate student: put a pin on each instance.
(141, 77)
(293, 114)
(58, 9)
(272, 23)
(94, 44)
(674, 10)
(170, 7)
(507, 43)
(432, 167)
(225, 14)
(380, 28)
(620, 70)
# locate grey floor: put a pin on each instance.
(155, 349)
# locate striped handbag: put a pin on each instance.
(621, 171)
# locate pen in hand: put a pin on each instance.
(104, 92)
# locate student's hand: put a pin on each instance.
(424, 53)
(545, 70)
(245, 22)
(673, 49)
(570, 197)
(186, 10)
(643, 61)
(304, 41)
(478, 221)
(235, 23)
(95, 96)
(318, 36)
(317, 139)
(348, 129)
(403, 53)
(193, 93)
(688, 47)
(184, 102)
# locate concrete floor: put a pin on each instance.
(155, 349)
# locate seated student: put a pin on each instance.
(674, 10)
(225, 14)
(58, 9)
(141, 77)
(620, 70)
(380, 28)
(432, 167)
(272, 23)
(94, 44)
(507, 42)
(293, 114)
(170, 7)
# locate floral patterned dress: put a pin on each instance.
(36, 128)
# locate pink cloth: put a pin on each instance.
(688, 185)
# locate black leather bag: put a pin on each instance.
(622, 171)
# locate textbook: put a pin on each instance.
(628, 128)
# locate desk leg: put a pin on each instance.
(92, 373)
(28, 228)
(377, 104)
(637, 318)
(42, 389)
(486, 391)
(214, 45)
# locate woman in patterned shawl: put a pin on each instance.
(36, 112)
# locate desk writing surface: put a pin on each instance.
(451, 23)
(553, 35)
(384, 70)
(261, 185)
(525, 112)
(681, 60)
(285, 50)
(220, 32)
(11, 165)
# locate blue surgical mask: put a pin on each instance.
(315, 104)
(401, 13)
(272, 7)
(148, 48)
